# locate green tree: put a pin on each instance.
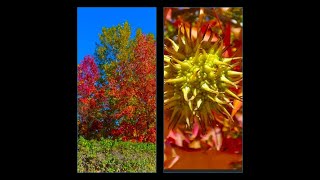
(115, 46)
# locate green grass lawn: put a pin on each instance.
(115, 156)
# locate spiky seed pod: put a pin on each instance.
(198, 79)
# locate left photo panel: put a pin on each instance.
(116, 90)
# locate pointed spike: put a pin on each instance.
(192, 98)
(174, 121)
(183, 115)
(185, 92)
(228, 102)
(188, 121)
(209, 110)
(213, 49)
(190, 32)
(193, 78)
(186, 34)
(173, 98)
(188, 45)
(184, 29)
(174, 45)
(203, 34)
(220, 62)
(168, 91)
(228, 60)
(176, 80)
(197, 48)
(224, 79)
(175, 66)
(174, 53)
(188, 50)
(226, 99)
(171, 104)
(237, 82)
(234, 65)
(225, 111)
(195, 92)
(207, 88)
(199, 102)
(235, 79)
(201, 15)
(219, 101)
(168, 87)
(201, 121)
(190, 105)
(230, 105)
(176, 109)
(167, 67)
(166, 96)
(224, 49)
(219, 50)
(232, 94)
(216, 115)
(184, 65)
(204, 52)
(198, 41)
(234, 73)
(220, 70)
(211, 98)
(179, 37)
(205, 118)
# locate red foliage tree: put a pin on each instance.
(134, 87)
(91, 99)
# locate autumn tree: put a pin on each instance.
(127, 68)
(91, 99)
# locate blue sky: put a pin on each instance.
(91, 20)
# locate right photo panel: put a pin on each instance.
(203, 89)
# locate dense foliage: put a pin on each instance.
(117, 87)
(91, 99)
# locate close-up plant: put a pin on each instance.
(202, 78)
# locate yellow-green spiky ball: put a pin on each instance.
(197, 80)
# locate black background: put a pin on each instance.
(50, 149)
